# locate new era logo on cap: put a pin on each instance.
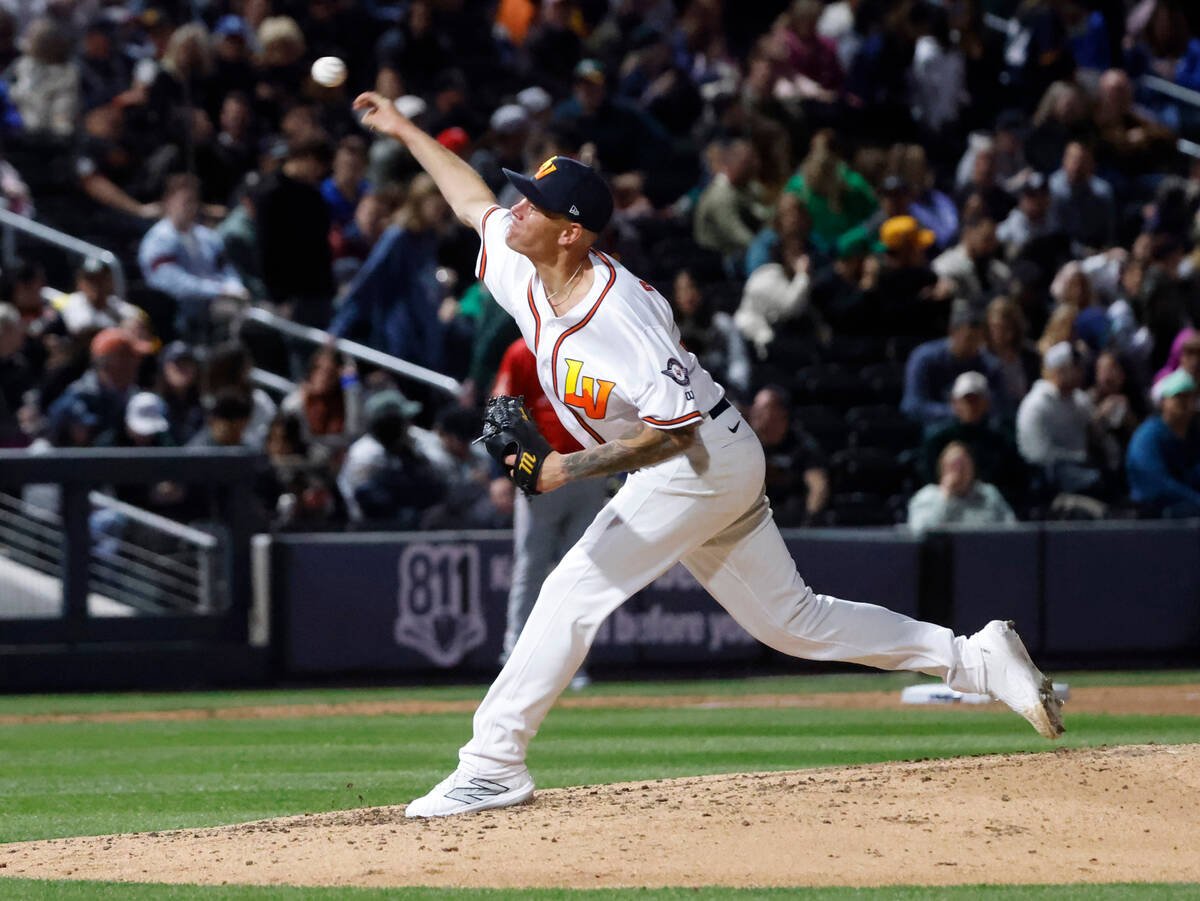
(567, 187)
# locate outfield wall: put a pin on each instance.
(409, 603)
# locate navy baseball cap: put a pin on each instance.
(570, 188)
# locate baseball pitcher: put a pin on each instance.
(610, 361)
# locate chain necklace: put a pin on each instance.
(550, 297)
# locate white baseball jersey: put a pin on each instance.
(612, 360)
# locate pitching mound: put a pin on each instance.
(1093, 815)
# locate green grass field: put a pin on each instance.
(63, 779)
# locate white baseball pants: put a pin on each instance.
(706, 509)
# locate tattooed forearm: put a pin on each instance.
(643, 446)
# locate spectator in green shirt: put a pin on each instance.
(837, 198)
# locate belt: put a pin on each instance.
(721, 406)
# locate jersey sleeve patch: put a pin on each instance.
(667, 399)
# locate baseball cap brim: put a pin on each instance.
(528, 187)
(147, 425)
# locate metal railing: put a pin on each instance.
(189, 583)
(147, 562)
(272, 383)
(155, 564)
(30, 535)
(361, 352)
(11, 223)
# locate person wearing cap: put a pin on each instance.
(837, 289)
(992, 449)
(1054, 426)
(626, 138)
(1163, 459)
(477, 496)
(933, 367)
(384, 477)
(1184, 354)
(225, 425)
(959, 497)
(104, 73)
(509, 129)
(610, 359)
(1030, 219)
(107, 386)
(901, 294)
(972, 263)
(93, 305)
(731, 208)
(186, 260)
(178, 385)
(144, 425)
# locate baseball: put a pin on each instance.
(329, 71)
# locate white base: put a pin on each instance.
(937, 693)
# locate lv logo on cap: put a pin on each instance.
(546, 168)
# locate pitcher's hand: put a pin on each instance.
(380, 113)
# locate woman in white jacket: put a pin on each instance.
(775, 299)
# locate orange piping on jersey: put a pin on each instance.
(483, 242)
(695, 414)
(586, 427)
(537, 320)
(612, 280)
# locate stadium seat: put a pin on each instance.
(882, 426)
(868, 469)
(854, 350)
(856, 509)
(900, 346)
(826, 424)
(830, 384)
(884, 383)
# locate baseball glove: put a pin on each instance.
(508, 431)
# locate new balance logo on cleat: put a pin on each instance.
(476, 790)
(464, 793)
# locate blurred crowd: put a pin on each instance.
(921, 243)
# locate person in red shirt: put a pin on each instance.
(545, 526)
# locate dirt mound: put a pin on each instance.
(1092, 815)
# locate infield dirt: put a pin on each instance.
(1086, 815)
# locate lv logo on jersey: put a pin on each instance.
(588, 394)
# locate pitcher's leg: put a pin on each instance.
(634, 539)
(750, 572)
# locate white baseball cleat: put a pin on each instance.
(1011, 677)
(460, 792)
